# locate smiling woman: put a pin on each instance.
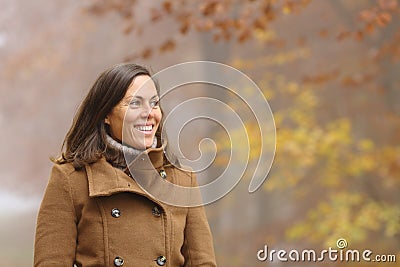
(140, 110)
(93, 212)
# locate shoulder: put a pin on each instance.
(66, 175)
(65, 178)
(65, 170)
(68, 168)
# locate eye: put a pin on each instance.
(134, 104)
(155, 103)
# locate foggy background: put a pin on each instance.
(329, 69)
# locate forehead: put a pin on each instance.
(142, 86)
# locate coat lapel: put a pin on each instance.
(105, 180)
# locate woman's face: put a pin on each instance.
(138, 115)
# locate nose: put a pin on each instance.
(147, 111)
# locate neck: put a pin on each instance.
(119, 154)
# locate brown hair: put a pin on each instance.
(85, 141)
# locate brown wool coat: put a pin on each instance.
(78, 221)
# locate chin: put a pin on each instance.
(144, 143)
(149, 144)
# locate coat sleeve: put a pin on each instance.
(55, 240)
(198, 248)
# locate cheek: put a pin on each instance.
(131, 116)
(158, 115)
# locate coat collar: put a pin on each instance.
(105, 180)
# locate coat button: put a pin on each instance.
(115, 213)
(163, 174)
(161, 260)
(156, 211)
(118, 261)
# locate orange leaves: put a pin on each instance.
(383, 18)
(367, 15)
(168, 45)
(123, 7)
(376, 16)
(224, 20)
(354, 80)
(155, 15)
(288, 7)
(388, 4)
(209, 8)
(260, 24)
(293, 6)
(244, 36)
(146, 53)
(357, 79)
(380, 15)
(380, 18)
(204, 25)
(343, 35)
(167, 7)
(184, 28)
(321, 77)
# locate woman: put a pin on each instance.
(93, 212)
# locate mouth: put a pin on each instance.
(146, 129)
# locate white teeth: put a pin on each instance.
(144, 127)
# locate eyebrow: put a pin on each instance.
(139, 97)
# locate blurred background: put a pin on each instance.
(329, 69)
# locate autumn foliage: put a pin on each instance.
(336, 111)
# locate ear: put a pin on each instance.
(107, 120)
